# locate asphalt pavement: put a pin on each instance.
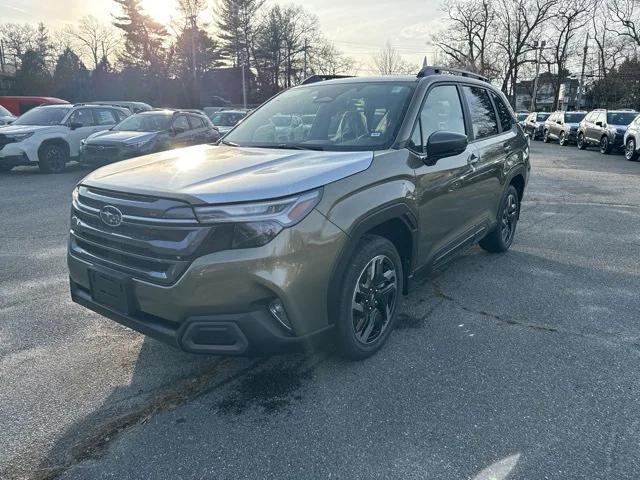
(521, 366)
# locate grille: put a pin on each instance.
(156, 241)
(101, 151)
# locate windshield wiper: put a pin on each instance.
(228, 143)
(292, 146)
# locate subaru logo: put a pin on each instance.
(111, 216)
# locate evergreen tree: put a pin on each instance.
(238, 22)
(32, 78)
(71, 77)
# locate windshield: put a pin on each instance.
(4, 112)
(522, 116)
(43, 116)
(145, 123)
(621, 118)
(541, 117)
(574, 117)
(226, 119)
(343, 116)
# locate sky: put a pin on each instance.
(359, 28)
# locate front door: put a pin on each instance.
(81, 124)
(444, 215)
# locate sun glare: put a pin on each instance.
(160, 10)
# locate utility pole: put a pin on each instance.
(244, 80)
(194, 63)
(535, 82)
(305, 58)
(584, 66)
(2, 55)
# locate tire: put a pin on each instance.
(500, 239)
(368, 297)
(5, 168)
(546, 137)
(630, 151)
(563, 139)
(53, 158)
(605, 145)
(582, 144)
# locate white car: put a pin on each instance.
(632, 141)
(50, 136)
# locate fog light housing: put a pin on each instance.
(279, 313)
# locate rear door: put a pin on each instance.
(104, 119)
(494, 139)
(83, 118)
(182, 132)
(199, 130)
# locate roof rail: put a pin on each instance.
(433, 70)
(322, 78)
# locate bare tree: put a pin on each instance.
(18, 38)
(626, 18)
(518, 22)
(467, 38)
(388, 61)
(568, 20)
(95, 40)
(326, 59)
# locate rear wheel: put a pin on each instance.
(501, 238)
(53, 158)
(370, 291)
(605, 145)
(582, 143)
(630, 152)
(546, 136)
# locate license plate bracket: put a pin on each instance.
(111, 290)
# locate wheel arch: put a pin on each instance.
(398, 224)
(55, 141)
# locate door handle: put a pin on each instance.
(473, 160)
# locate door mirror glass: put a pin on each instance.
(75, 125)
(445, 144)
(599, 123)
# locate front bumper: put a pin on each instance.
(20, 152)
(220, 304)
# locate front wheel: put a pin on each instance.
(546, 137)
(563, 139)
(630, 152)
(369, 295)
(582, 143)
(53, 158)
(500, 239)
(605, 145)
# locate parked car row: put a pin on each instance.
(609, 130)
(50, 136)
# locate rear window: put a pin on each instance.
(506, 120)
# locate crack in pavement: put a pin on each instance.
(97, 441)
(601, 336)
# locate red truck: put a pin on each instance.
(20, 105)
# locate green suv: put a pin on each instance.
(289, 234)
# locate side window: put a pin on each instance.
(181, 122)
(83, 117)
(442, 112)
(506, 119)
(105, 116)
(196, 122)
(602, 118)
(26, 106)
(120, 115)
(483, 116)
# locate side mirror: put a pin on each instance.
(598, 124)
(445, 144)
(559, 122)
(176, 131)
(75, 125)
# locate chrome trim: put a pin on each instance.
(137, 220)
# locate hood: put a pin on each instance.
(120, 137)
(221, 174)
(12, 129)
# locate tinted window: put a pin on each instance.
(82, 116)
(442, 112)
(572, 117)
(506, 120)
(483, 116)
(181, 122)
(145, 122)
(621, 118)
(196, 122)
(105, 116)
(121, 115)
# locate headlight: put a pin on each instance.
(257, 223)
(18, 137)
(74, 196)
